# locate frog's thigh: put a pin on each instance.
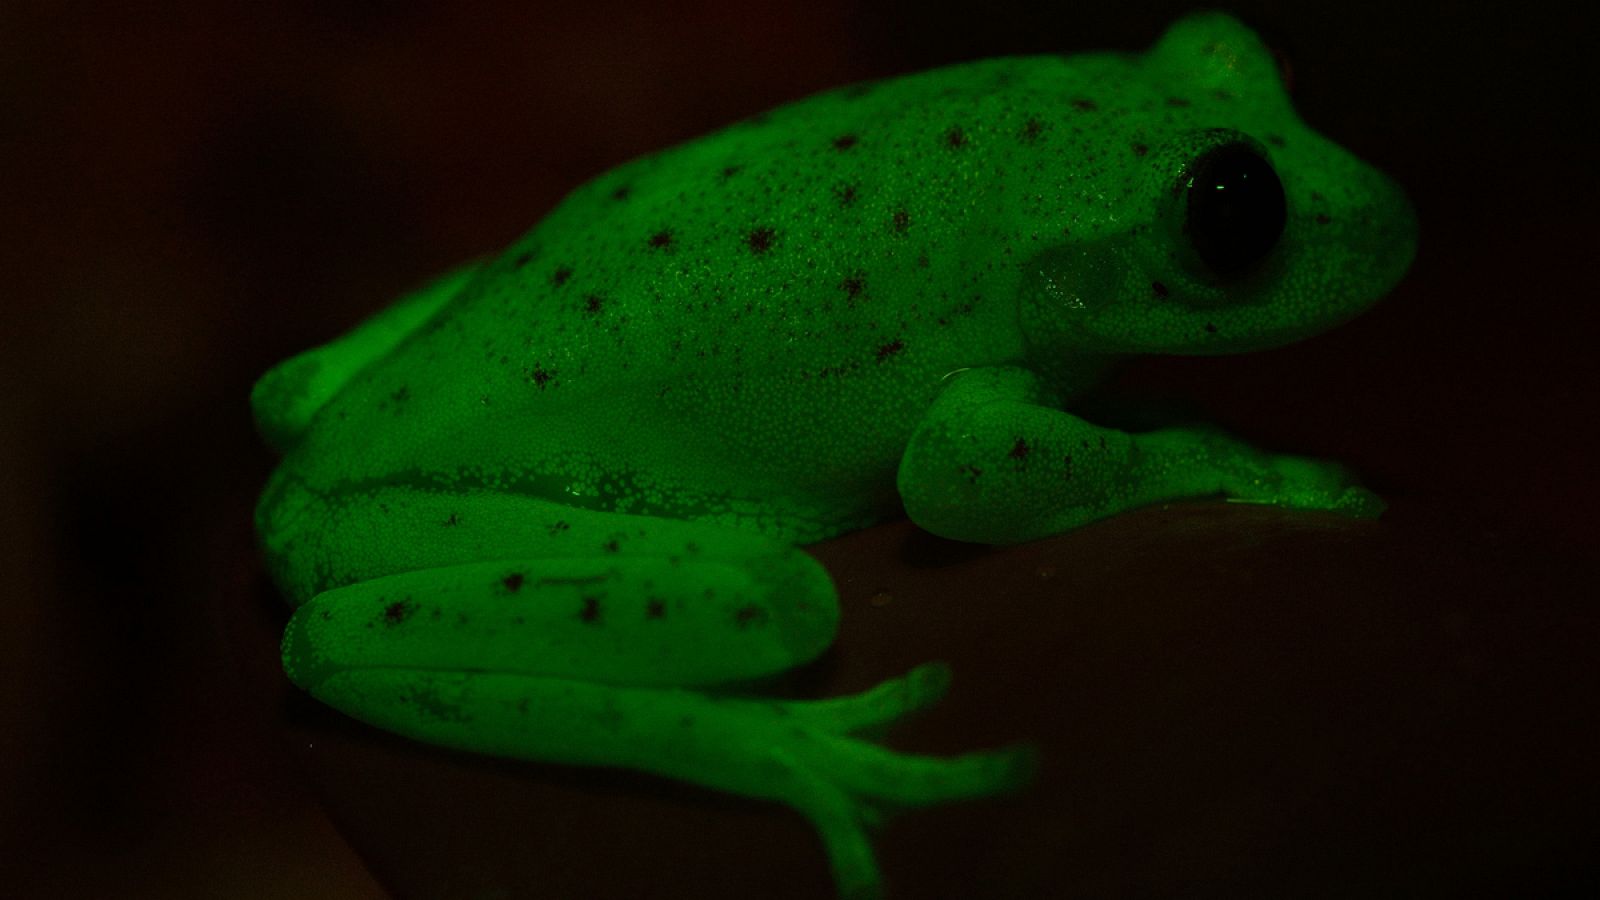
(621, 620)
(288, 396)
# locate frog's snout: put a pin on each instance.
(1395, 234)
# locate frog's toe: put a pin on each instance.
(888, 702)
(1304, 473)
(904, 780)
(845, 785)
(919, 688)
(1359, 503)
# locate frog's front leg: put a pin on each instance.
(995, 461)
(613, 657)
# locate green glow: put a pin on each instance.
(543, 507)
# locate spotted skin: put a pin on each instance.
(549, 505)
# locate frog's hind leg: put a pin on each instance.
(286, 398)
(607, 646)
(841, 785)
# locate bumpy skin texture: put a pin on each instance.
(547, 507)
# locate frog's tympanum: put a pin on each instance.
(549, 506)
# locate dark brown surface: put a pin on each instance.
(192, 191)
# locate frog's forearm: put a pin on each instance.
(994, 461)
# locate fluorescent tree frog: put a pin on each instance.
(549, 506)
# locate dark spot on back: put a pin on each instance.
(901, 221)
(1177, 101)
(661, 240)
(1210, 328)
(729, 171)
(592, 303)
(1141, 149)
(655, 609)
(1031, 130)
(539, 375)
(1159, 288)
(759, 240)
(1323, 219)
(1020, 449)
(1275, 140)
(513, 582)
(890, 349)
(955, 138)
(591, 610)
(853, 285)
(522, 259)
(560, 276)
(622, 192)
(846, 194)
(1085, 105)
(845, 141)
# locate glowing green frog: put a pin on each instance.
(547, 507)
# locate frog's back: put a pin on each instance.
(780, 298)
(827, 210)
(843, 238)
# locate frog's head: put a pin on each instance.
(1221, 222)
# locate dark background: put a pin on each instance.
(192, 194)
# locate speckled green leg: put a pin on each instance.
(995, 460)
(840, 784)
(614, 659)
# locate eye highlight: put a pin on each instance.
(1235, 209)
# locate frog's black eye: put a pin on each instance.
(1236, 210)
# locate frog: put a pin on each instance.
(552, 505)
